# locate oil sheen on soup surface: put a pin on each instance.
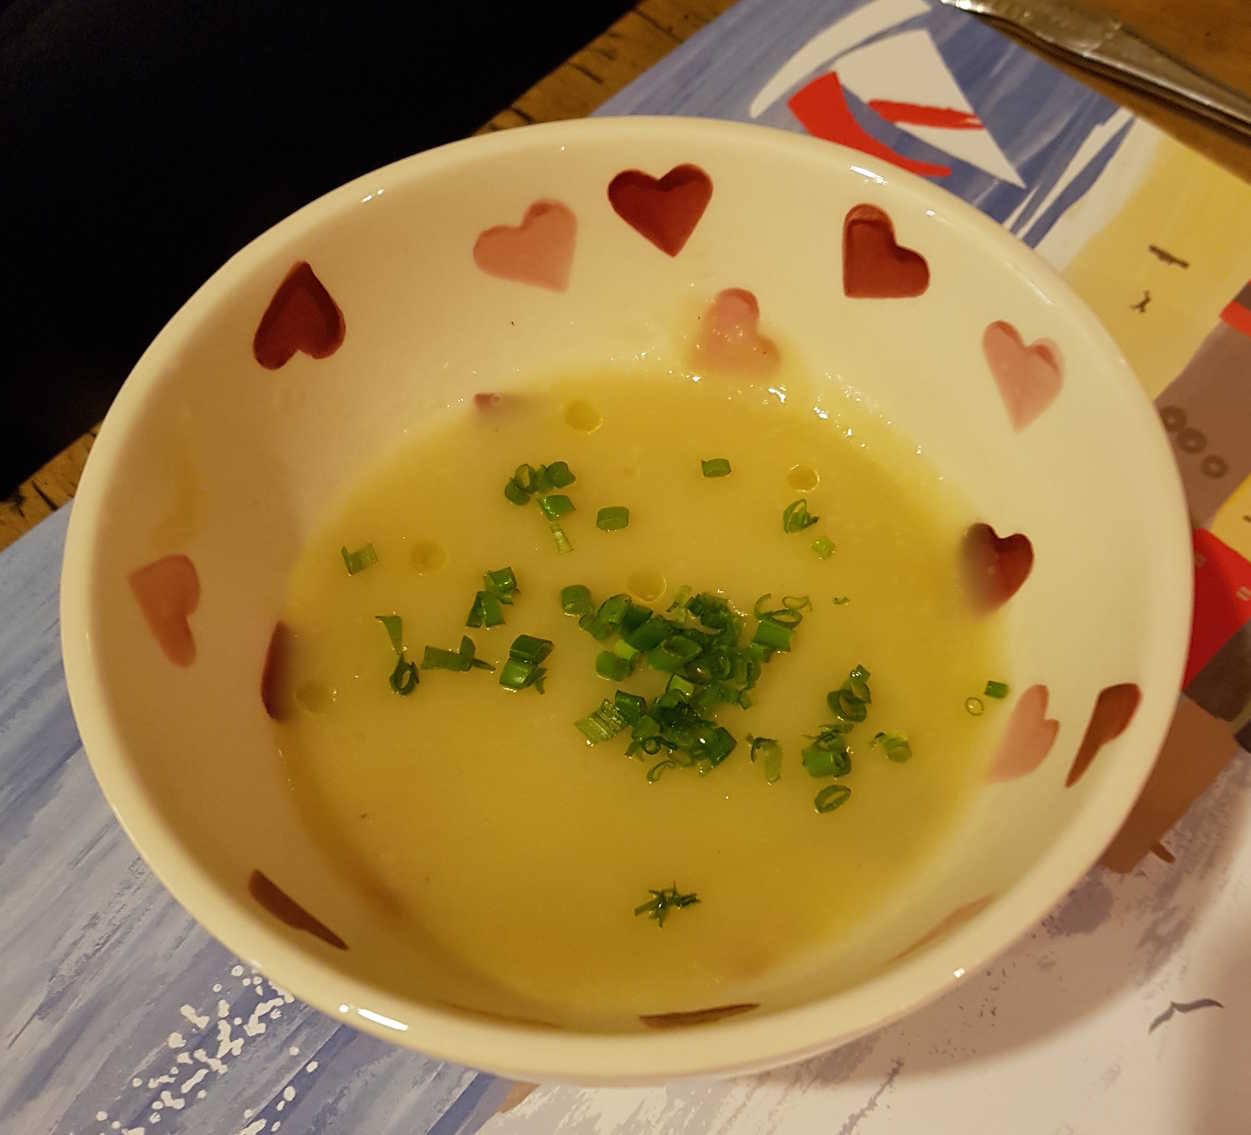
(489, 827)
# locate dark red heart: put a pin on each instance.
(994, 566)
(1114, 710)
(665, 211)
(875, 266)
(284, 908)
(302, 316)
(277, 694)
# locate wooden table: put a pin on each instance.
(1212, 35)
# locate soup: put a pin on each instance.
(772, 582)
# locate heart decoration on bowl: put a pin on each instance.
(730, 335)
(539, 251)
(1114, 710)
(875, 265)
(995, 566)
(168, 592)
(664, 210)
(1028, 377)
(302, 316)
(1027, 739)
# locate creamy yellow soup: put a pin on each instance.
(484, 822)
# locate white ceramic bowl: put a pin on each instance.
(213, 467)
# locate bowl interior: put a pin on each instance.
(994, 368)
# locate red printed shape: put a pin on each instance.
(944, 117)
(1029, 378)
(302, 316)
(277, 691)
(168, 591)
(665, 211)
(1222, 600)
(1028, 738)
(1114, 710)
(284, 908)
(539, 251)
(875, 266)
(730, 338)
(994, 566)
(821, 108)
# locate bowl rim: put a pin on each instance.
(536, 1053)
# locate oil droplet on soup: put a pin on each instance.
(511, 853)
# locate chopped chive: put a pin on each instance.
(996, 689)
(770, 753)
(395, 631)
(529, 648)
(795, 517)
(558, 535)
(436, 658)
(608, 620)
(359, 560)
(715, 467)
(654, 773)
(523, 667)
(894, 745)
(605, 722)
(649, 635)
(841, 600)
(517, 675)
(797, 602)
(823, 547)
(612, 519)
(630, 706)
(661, 902)
(772, 635)
(555, 505)
(515, 493)
(612, 666)
(486, 610)
(974, 706)
(576, 600)
(404, 677)
(623, 649)
(672, 654)
(827, 756)
(830, 797)
(501, 582)
(560, 475)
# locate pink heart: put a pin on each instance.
(168, 591)
(1027, 739)
(539, 251)
(1029, 378)
(730, 337)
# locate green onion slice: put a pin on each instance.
(830, 797)
(555, 505)
(823, 547)
(359, 560)
(395, 631)
(715, 467)
(795, 517)
(894, 745)
(770, 754)
(576, 600)
(486, 610)
(996, 689)
(613, 518)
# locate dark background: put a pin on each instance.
(143, 142)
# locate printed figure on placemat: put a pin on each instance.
(908, 83)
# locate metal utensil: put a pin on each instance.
(1108, 46)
